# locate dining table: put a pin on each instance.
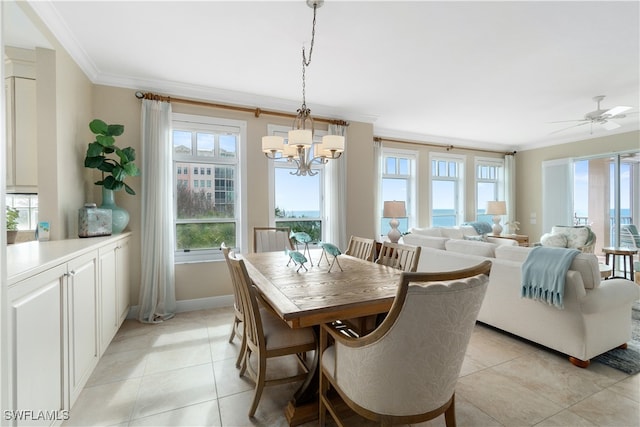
(315, 294)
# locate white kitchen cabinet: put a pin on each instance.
(37, 325)
(82, 303)
(114, 289)
(66, 301)
(22, 155)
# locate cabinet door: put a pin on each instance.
(108, 306)
(122, 289)
(37, 346)
(82, 296)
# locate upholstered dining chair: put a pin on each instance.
(267, 336)
(402, 257)
(271, 239)
(361, 247)
(406, 370)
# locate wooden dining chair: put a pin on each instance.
(237, 327)
(406, 370)
(267, 336)
(271, 239)
(361, 247)
(402, 257)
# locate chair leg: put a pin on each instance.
(260, 379)
(450, 413)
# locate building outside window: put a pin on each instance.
(398, 182)
(204, 220)
(447, 189)
(489, 185)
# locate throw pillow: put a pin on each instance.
(480, 238)
(555, 240)
(576, 236)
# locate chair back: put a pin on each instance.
(629, 236)
(579, 237)
(362, 248)
(402, 257)
(236, 291)
(271, 239)
(410, 364)
(249, 303)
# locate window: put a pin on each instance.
(398, 182)
(205, 219)
(27, 206)
(296, 201)
(447, 189)
(489, 185)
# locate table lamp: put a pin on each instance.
(394, 210)
(497, 209)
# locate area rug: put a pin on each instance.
(628, 360)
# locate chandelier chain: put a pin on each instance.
(306, 62)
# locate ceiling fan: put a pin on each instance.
(599, 116)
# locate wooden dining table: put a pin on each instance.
(315, 296)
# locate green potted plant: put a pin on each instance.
(116, 164)
(12, 224)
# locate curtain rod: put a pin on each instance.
(256, 111)
(447, 147)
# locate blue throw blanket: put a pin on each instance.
(544, 272)
(480, 227)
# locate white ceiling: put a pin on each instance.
(476, 74)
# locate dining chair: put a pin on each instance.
(361, 247)
(402, 257)
(406, 370)
(267, 336)
(237, 327)
(271, 239)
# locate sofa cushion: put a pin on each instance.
(576, 236)
(470, 247)
(512, 253)
(417, 239)
(452, 233)
(554, 240)
(433, 231)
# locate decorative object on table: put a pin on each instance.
(334, 251)
(94, 221)
(298, 259)
(394, 210)
(115, 169)
(43, 231)
(497, 209)
(305, 239)
(514, 226)
(12, 224)
(300, 139)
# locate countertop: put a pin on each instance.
(30, 258)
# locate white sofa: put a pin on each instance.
(596, 315)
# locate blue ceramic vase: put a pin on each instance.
(119, 216)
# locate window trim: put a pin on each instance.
(500, 190)
(412, 179)
(460, 180)
(192, 122)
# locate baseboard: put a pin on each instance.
(192, 305)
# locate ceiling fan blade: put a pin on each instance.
(560, 130)
(608, 125)
(567, 121)
(616, 110)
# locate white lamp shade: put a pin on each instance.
(272, 143)
(496, 208)
(394, 209)
(290, 151)
(300, 137)
(333, 143)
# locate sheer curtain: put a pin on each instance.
(510, 187)
(157, 299)
(335, 176)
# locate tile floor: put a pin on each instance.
(182, 373)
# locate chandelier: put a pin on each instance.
(300, 148)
